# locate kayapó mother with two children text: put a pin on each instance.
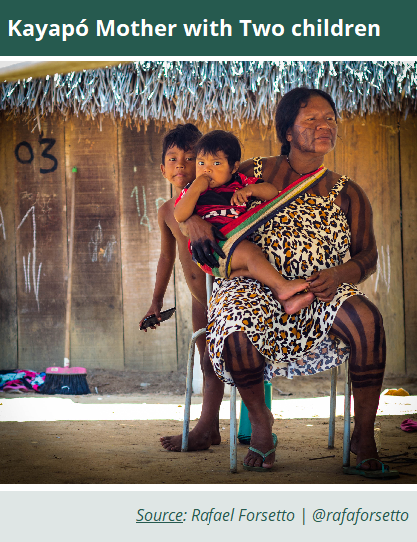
(307, 239)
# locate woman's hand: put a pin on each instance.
(323, 284)
(241, 197)
(203, 241)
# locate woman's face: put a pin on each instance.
(315, 127)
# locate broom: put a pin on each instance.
(67, 380)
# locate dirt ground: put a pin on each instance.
(128, 452)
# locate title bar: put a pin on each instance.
(216, 29)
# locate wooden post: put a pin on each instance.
(69, 282)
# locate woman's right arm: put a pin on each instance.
(203, 240)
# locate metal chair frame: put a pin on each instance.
(233, 421)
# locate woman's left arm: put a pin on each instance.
(363, 251)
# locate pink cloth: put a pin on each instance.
(409, 425)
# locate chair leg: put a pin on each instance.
(346, 425)
(332, 419)
(233, 431)
(189, 389)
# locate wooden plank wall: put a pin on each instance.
(97, 311)
(41, 257)
(8, 299)
(368, 152)
(118, 191)
(408, 153)
(142, 191)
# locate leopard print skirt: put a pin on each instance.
(311, 234)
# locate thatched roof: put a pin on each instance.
(211, 92)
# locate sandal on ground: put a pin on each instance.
(263, 455)
(384, 473)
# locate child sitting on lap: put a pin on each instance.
(220, 194)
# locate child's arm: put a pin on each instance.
(164, 268)
(185, 207)
(262, 191)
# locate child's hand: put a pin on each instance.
(155, 309)
(202, 182)
(241, 197)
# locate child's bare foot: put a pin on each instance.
(288, 288)
(297, 302)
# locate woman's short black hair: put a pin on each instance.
(220, 140)
(183, 136)
(288, 108)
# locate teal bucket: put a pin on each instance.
(245, 428)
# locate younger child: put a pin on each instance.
(178, 167)
(220, 194)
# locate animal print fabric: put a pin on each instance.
(311, 234)
(257, 167)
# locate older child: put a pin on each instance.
(220, 194)
(178, 167)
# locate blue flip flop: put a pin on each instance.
(263, 455)
(384, 473)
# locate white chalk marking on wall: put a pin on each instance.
(2, 224)
(135, 192)
(95, 241)
(159, 202)
(40, 199)
(26, 271)
(144, 221)
(35, 276)
(43, 200)
(108, 253)
(383, 269)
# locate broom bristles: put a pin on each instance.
(65, 383)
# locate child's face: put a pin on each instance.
(216, 167)
(179, 167)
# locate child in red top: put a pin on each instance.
(219, 194)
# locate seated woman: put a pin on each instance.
(249, 335)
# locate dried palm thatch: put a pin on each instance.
(212, 92)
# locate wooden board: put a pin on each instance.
(254, 145)
(142, 191)
(40, 243)
(117, 243)
(408, 149)
(8, 301)
(97, 316)
(368, 153)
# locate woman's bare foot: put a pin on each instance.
(297, 302)
(261, 440)
(198, 439)
(364, 447)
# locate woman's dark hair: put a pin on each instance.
(288, 108)
(183, 136)
(220, 140)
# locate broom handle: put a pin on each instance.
(69, 286)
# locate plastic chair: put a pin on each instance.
(233, 422)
